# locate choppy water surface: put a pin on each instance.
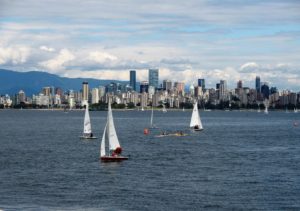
(242, 160)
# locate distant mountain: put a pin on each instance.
(11, 82)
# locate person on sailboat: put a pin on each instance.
(196, 127)
(91, 135)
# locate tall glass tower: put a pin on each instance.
(153, 77)
(201, 83)
(257, 84)
(133, 79)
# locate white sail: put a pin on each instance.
(111, 131)
(195, 120)
(266, 109)
(164, 109)
(266, 103)
(102, 149)
(151, 120)
(87, 129)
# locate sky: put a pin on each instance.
(213, 39)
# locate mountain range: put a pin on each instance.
(32, 82)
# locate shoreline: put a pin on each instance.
(168, 110)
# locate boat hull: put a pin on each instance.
(84, 137)
(197, 129)
(113, 158)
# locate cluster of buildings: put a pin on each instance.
(174, 94)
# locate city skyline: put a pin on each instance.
(230, 40)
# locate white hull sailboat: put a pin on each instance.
(196, 123)
(295, 110)
(87, 128)
(110, 135)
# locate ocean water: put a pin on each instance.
(241, 161)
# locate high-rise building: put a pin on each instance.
(239, 84)
(101, 92)
(257, 84)
(153, 77)
(133, 79)
(223, 90)
(201, 83)
(144, 86)
(85, 92)
(46, 91)
(265, 90)
(58, 91)
(21, 97)
(95, 95)
(180, 87)
(167, 85)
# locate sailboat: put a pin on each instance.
(266, 103)
(87, 128)
(196, 124)
(151, 120)
(295, 110)
(142, 109)
(164, 108)
(266, 110)
(109, 134)
(183, 109)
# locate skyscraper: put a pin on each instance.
(239, 84)
(201, 83)
(133, 79)
(85, 92)
(144, 86)
(153, 77)
(223, 90)
(167, 85)
(257, 84)
(265, 90)
(46, 91)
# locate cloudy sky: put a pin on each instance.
(212, 39)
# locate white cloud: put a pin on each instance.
(101, 57)
(14, 55)
(59, 63)
(250, 66)
(45, 48)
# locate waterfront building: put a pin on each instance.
(85, 93)
(144, 86)
(46, 91)
(223, 90)
(201, 83)
(153, 78)
(95, 95)
(133, 79)
(265, 90)
(101, 92)
(21, 97)
(239, 84)
(180, 87)
(167, 85)
(257, 84)
(40, 100)
(144, 99)
(59, 91)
